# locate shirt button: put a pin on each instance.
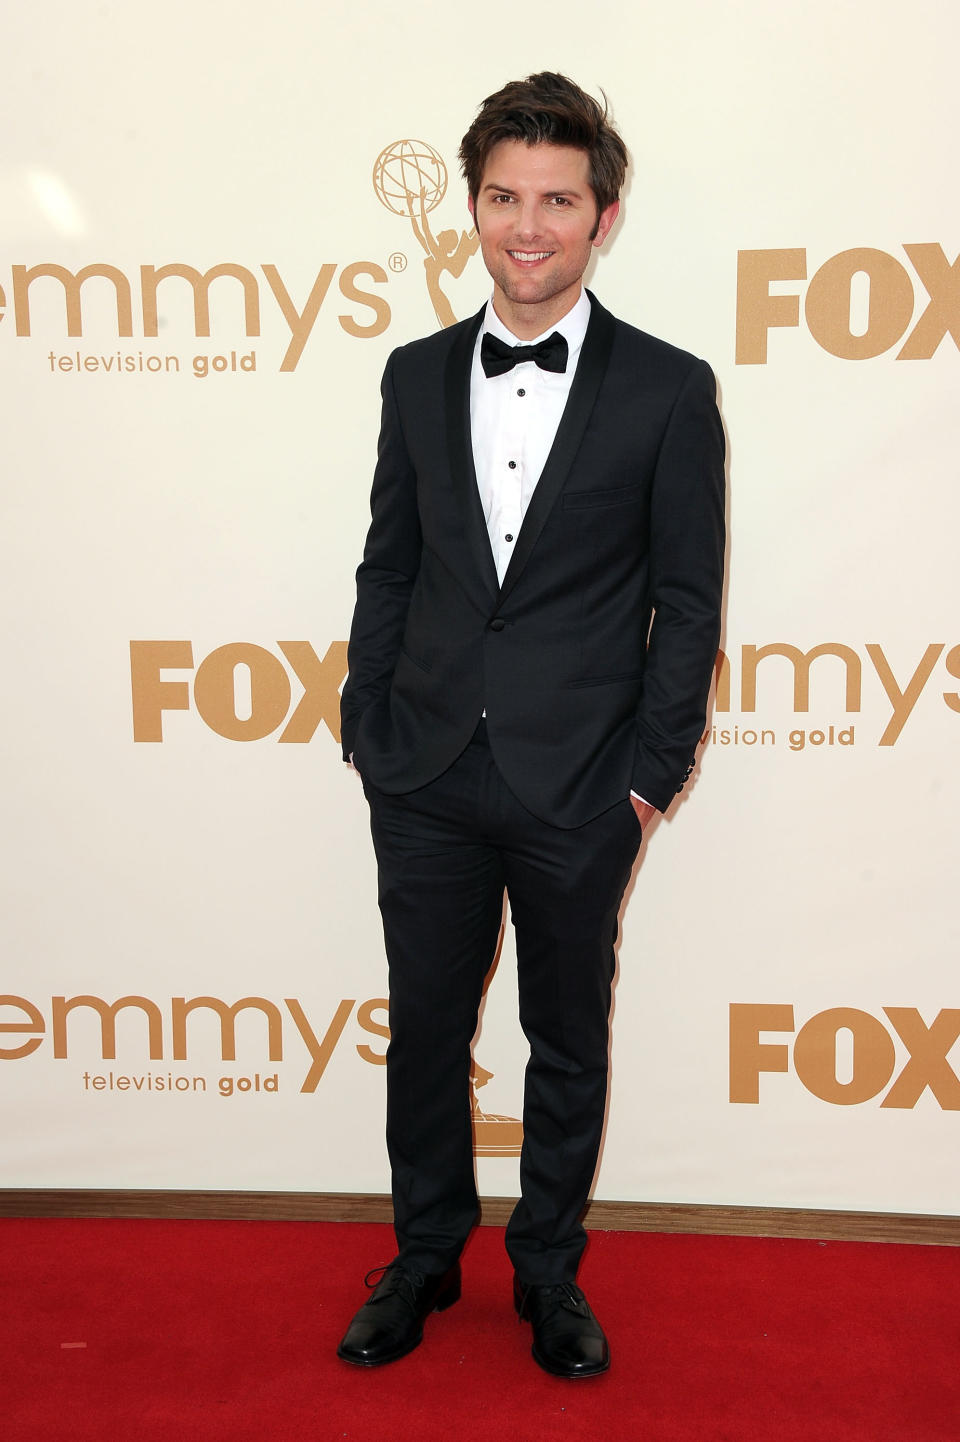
(512, 465)
(521, 392)
(508, 537)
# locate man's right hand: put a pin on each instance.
(645, 812)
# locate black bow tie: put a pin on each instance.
(497, 357)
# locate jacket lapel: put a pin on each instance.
(462, 469)
(591, 369)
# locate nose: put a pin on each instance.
(528, 221)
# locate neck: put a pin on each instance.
(528, 321)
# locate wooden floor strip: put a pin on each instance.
(601, 1216)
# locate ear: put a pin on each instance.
(605, 223)
(472, 209)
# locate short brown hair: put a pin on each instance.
(547, 109)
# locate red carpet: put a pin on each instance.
(126, 1331)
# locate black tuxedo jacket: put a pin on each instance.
(594, 658)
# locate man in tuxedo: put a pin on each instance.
(536, 626)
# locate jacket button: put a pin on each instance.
(497, 625)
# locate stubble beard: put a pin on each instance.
(532, 292)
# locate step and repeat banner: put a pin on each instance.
(217, 221)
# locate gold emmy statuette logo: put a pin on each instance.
(493, 1135)
(410, 178)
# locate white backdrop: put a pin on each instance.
(787, 1010)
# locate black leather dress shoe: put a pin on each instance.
(567, 1338)
(390, 1322)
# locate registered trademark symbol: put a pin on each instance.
(397, 261)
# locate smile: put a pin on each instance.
(527, 256)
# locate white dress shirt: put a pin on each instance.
(513, 421)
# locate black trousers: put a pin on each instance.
(445, 854)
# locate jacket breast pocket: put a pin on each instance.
(615, 680)
(617, 496)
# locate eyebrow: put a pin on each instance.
(550, 194)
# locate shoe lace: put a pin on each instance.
(393, 1280)
(565, 1294)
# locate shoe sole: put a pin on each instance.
(379, 1361)
(569, 1376)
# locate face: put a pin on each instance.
(537, 218)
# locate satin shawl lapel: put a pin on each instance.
(480, 575)
(591, 369)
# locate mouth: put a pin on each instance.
(529, 257)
